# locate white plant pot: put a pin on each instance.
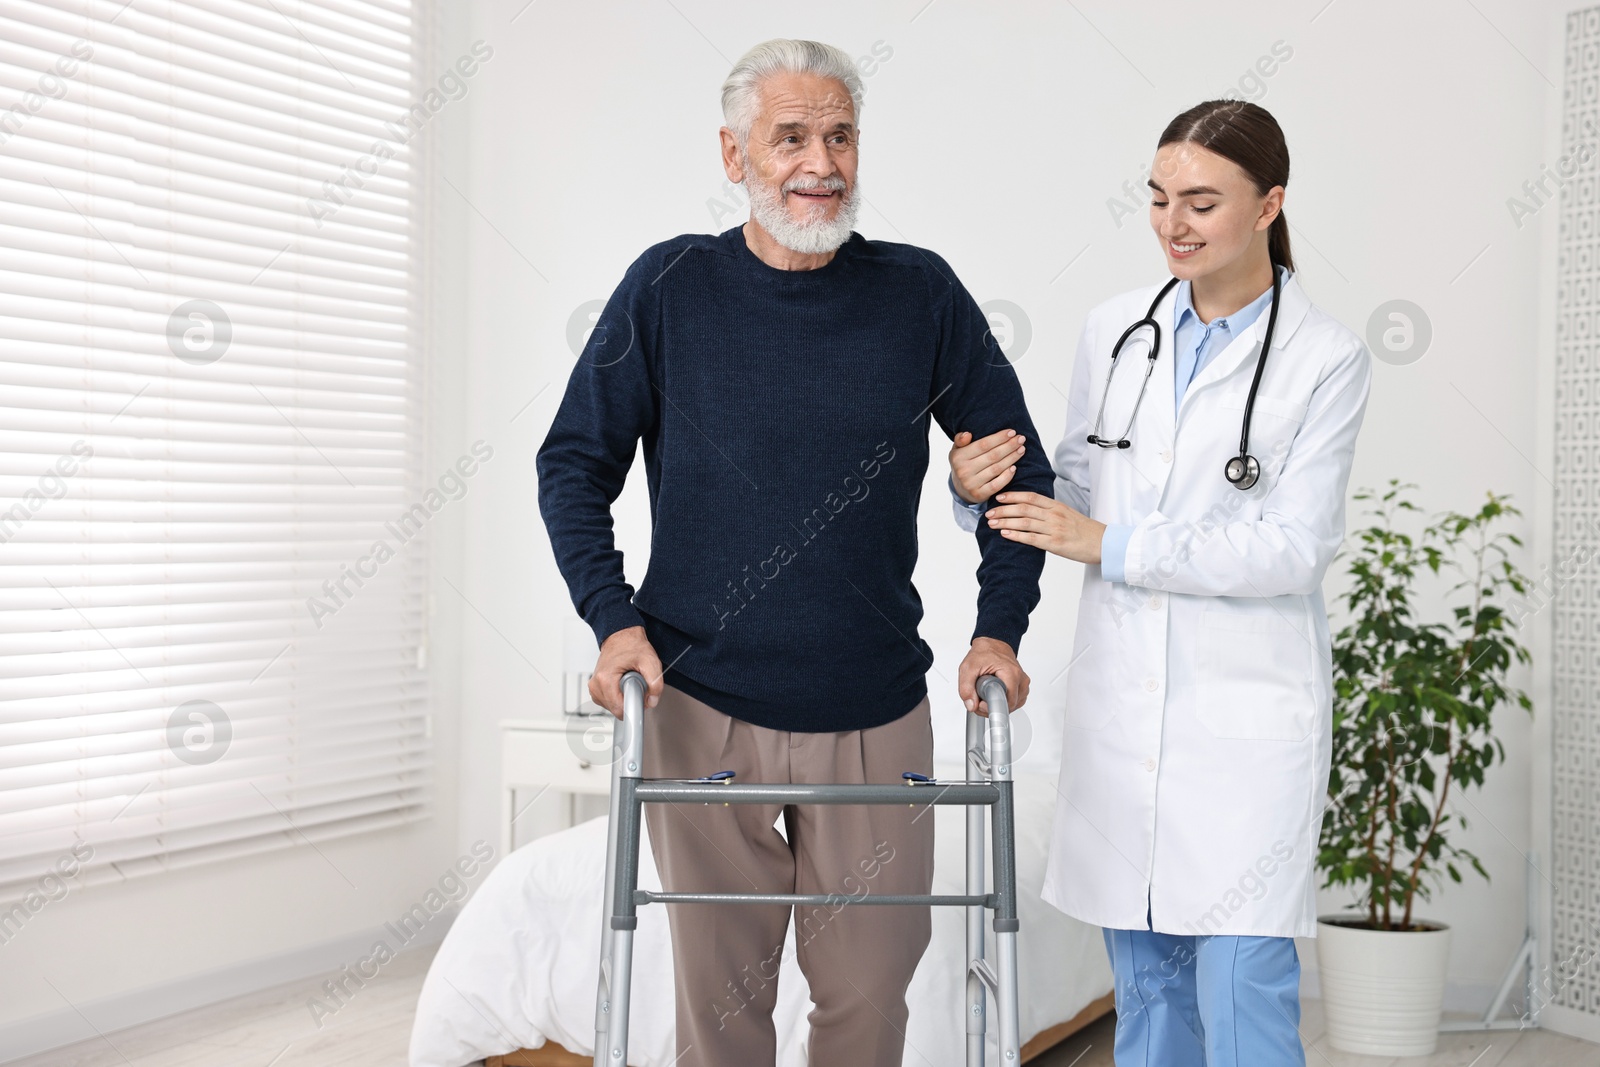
(1382, 990)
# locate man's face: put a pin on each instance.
(799, 163)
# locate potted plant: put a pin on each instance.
(1412, 709)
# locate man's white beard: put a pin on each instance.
(816, 234)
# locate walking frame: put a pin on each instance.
(988, 784)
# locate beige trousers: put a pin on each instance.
(858, 960)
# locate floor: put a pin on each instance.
(276, 1029)
(1091, 1047)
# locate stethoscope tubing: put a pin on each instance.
(1242, 470)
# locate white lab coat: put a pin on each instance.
(1198, 700)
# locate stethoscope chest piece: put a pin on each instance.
(1242, 471)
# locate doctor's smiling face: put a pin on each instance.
(1208, 213)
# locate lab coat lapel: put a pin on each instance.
(1292, 308)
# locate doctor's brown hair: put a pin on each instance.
(1245, 134)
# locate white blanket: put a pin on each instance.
(520, 964)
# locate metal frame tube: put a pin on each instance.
(618, 919)
(653, 791)
(647, 896)
(993, 693)
(977, 1003)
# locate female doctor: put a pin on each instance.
(1210, 428)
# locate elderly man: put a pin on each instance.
(780, 376)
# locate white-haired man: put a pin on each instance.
(780, 375)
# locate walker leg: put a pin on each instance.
(993, 693)
(618, 916)
(624, 920)
(1005, 926)
(976, 1000)
(602, 1003)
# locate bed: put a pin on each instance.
(513, 983)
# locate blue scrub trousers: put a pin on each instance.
(1205, 1001)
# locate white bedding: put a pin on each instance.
(520, 963)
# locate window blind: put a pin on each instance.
(211, 415)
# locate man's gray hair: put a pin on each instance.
(741, 92)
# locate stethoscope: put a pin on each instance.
(1242, 470)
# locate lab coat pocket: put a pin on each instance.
(1273, 426)
(1254, 676)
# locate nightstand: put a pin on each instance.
(569, 755)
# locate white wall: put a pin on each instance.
(996, 134)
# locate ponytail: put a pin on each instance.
(1278, 243)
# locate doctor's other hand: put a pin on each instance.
(626, 650)
(982, 468)
(990, 655)
(1048, 524)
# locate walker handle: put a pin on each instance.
(992, 691)
(628, 741)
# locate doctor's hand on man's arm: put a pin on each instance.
(980, 469)
(626, 650)
(1046, 523)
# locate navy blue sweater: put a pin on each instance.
(784, 416)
